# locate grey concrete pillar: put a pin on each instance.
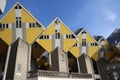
(6, 63)
(29, 58)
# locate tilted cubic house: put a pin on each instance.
(30, 51)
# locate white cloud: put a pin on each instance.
(110, 15)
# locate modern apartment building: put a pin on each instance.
(31, 51)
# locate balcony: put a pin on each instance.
(37, 75)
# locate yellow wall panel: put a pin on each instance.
(46, 44)
(50, 29)
(32, 34)
(95, 56)
(68, 43)
(6, 35)
(89, 39)
(92, 50)
(26, 17)
(80, 38)
(64, 30)
(10, 17)
(75, 51)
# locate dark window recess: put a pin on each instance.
(75, 45)
(57, 21)
(58, 35)
(30, 25)
(20, 24)
(84, 32)
(38, 25)
(41, 37)
(18, 7)
(47, 36)
(83, 42)
(33, 24)
(0, 25)
(72, 36)
(3, 25)
(6, 25)
(15, 7)
(67, 36)
(16, 23)
(96, 44)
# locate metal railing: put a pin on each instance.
(53, 74)
(57, 74)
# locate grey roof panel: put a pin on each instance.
(78, 31)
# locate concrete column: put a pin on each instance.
(20, 71)
(88, 64)
(6, 63)
(29, 58)
(50, 60)
(78, 65)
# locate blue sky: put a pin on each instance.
(98, 17)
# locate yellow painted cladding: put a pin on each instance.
(93, 50)
(46, 44)
(75, 51)
(26, 17)
(50, 30)
(9, 17)
(68, 43)
(64, 29)
(95, 56)
(6, 35)
(32, 34)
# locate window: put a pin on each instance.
(18, 22)
(47, 36)
(102, 49)
(32, 25)
(41, 37)
(0, 25)
(94, 44)
(57, 21)
(19, 68)
(18, 6)
(6, 25)
(72, 36)
(3, 25)
(57, 34)
(69, 36)
(83, 42)
(44, 37)
(38, 25)
(84, 32)
(75, 45)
